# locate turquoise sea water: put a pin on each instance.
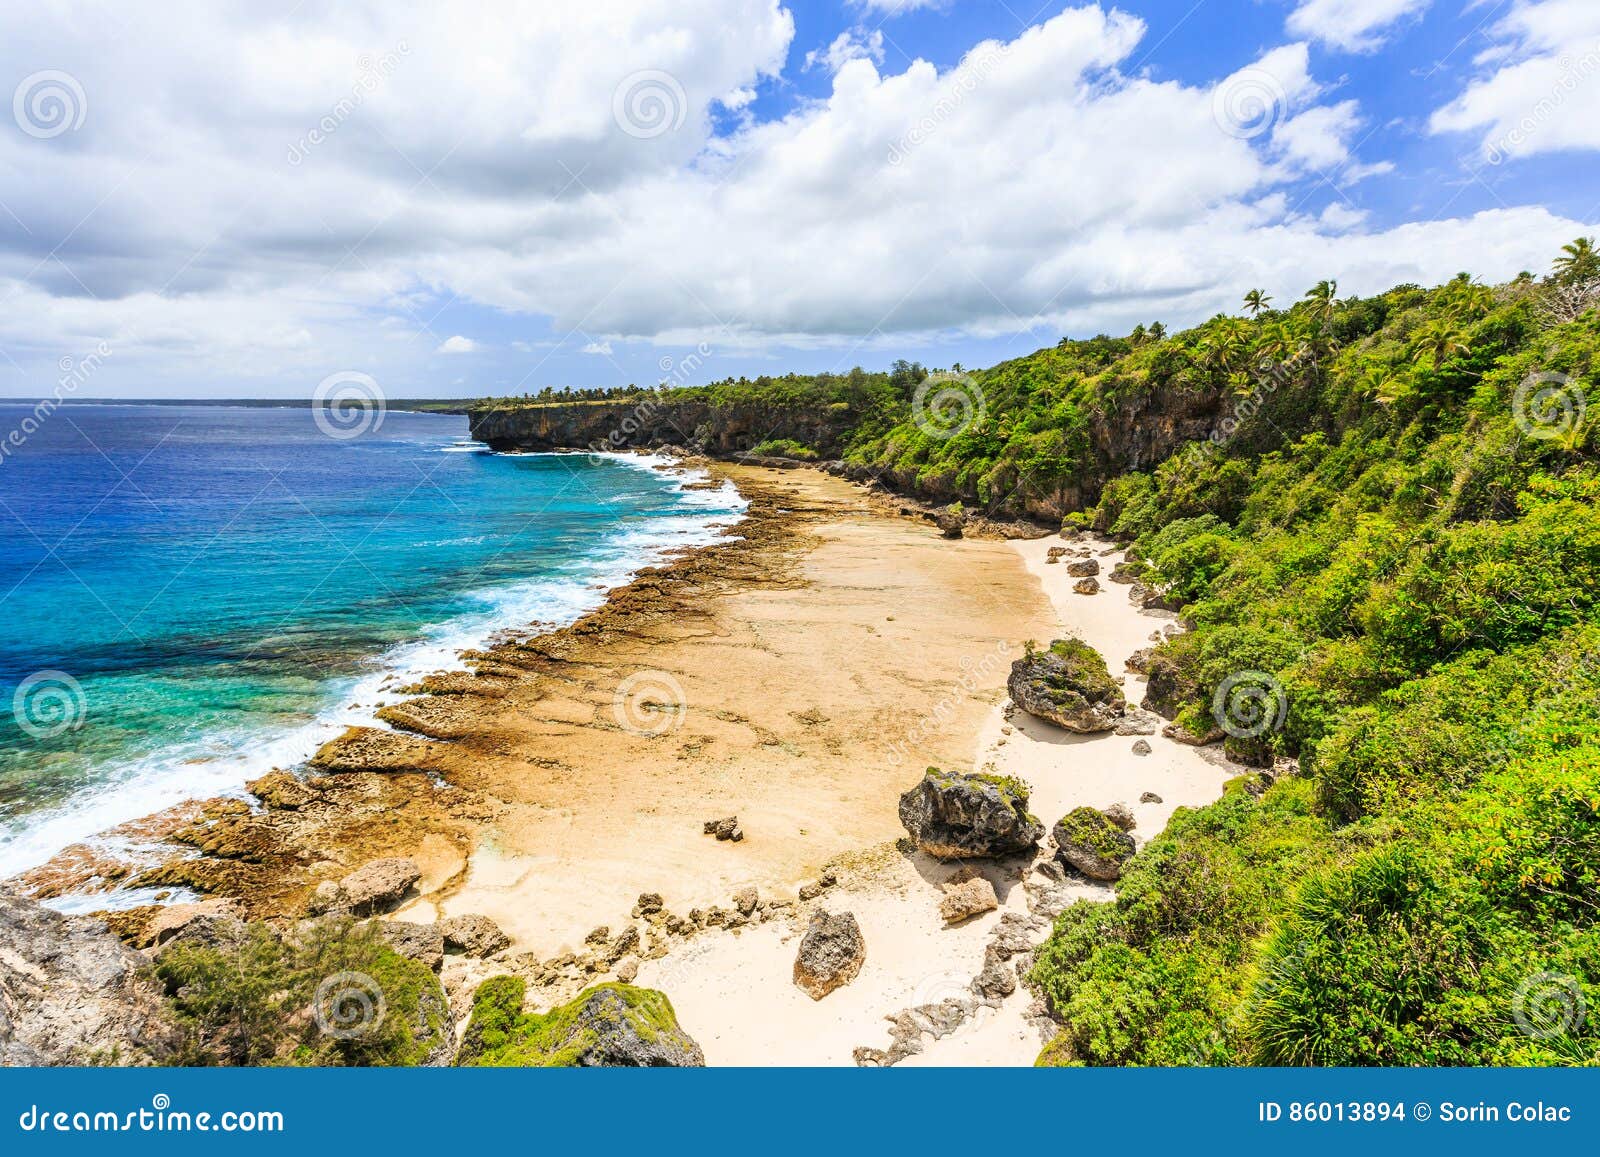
(192, 595)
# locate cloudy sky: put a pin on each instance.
(494, 197)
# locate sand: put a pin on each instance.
(734, 992)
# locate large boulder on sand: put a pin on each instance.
(955, 816)
(1092, 842)
(607, 1026)
(1084, 568)
(473, 935)
(831, 954)
(968, 898)
(1069, 685)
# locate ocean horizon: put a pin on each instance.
(197, 594)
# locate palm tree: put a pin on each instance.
(1579, 262)
(1255, 301)
(1439, 339)
(1322, 296)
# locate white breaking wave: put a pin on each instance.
(220, 762)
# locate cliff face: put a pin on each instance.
(70, 993)
(698, 424)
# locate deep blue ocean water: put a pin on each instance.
(192, 595)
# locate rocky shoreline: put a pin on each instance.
(383, 826)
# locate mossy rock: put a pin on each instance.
(956, 816)
(1069, 685)
(1090, 841)
(609, 1025)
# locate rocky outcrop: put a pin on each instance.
(831, 954)
(721, 429)
(966, 899)
(1069, 685)
(423, 943)
(473, 935)
(1091, 841)
(71, 993)
(1084, 568)
(374, 888)
(954, 816)
(1087, 586)
(607, 1026)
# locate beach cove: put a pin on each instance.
(799, 674)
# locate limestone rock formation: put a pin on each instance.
(1069, 685)
(955, 816)
(1089, 840)
(831, 954)
(71, 993)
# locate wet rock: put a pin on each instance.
(831, 954)
(955, 816)
(279, 789)
(1069, 685)
(473, 935)
(967, 899)
(1088, 840)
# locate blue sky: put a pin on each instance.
(229, 201)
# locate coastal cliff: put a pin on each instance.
(648, 421)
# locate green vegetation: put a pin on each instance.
(1416, 564)
(331, 994)
(1384, 510)
(501, 1034)
(784, 448)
